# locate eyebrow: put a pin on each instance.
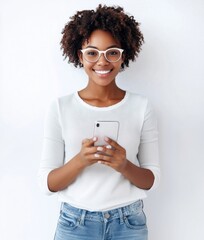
(112, 46)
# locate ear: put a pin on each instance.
(80, 56)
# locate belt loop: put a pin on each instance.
(121, 215)
(83, 214)
(62, 206)
(142, 203)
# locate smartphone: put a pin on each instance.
(104, 129)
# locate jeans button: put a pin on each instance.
(106, 215)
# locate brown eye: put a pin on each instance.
(113, 52)
(91, 53)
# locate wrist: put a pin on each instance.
(124, 167)
(80, 165)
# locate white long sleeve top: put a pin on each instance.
(69, 120)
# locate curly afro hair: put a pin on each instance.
(123, 28)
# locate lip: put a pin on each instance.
(102, 72)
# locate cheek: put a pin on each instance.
(118, 66)
(87, 65)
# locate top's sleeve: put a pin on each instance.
(148, 154)
(53, 146)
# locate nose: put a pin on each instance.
(102, 60)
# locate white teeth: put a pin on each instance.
(102, 72)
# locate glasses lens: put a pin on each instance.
(113, 55)
(91, 55)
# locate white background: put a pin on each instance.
(169, 71)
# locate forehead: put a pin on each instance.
(102, 40)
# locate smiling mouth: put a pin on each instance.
(102, 72)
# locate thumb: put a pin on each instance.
(89, 142)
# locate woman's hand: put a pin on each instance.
(88, 155)
(60, 178)
(112, 155)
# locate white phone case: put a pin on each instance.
(104, 129)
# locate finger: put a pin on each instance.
(88, 142)
(90, 150)
(106, 150)
(102, 158)
(106, 163)
(93, 158)
(112, 143)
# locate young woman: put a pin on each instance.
(101, 187)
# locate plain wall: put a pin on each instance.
(169, 71)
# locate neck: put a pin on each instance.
(102, 96)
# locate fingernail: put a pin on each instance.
(96, 155)
(106, 138)
(99, 149)
(108, 146)
(94, 139)
(99, 162)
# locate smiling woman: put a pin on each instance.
(100, 60)
(123, 169)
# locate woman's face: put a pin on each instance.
(101, 72)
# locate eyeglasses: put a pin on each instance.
(111, 55)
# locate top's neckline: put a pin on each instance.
(114, 106)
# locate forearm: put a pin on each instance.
(140, 177)
(62, 177)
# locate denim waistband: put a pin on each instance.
(120, 213)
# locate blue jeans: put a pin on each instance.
(128, 223)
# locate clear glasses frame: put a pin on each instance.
(102, 52)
